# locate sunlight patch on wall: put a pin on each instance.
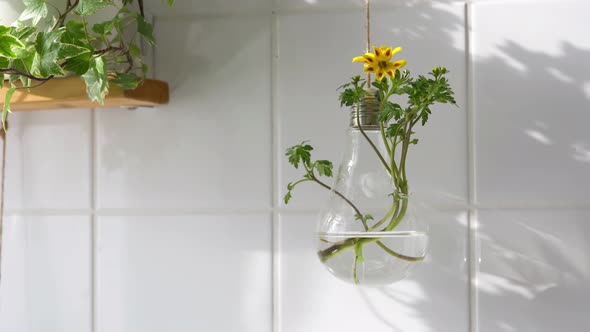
(538, 136)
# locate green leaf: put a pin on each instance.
(393, 130)
(75, 33)
(24, 60)
(324, 167)
(78, 65)
(299, 154)
(7, 45)
(6, 108)
(90, 7)
(126, 81)
(104, 28)
(170, 2)
(68, 51)
(96, 80)
(48, 53)
(288, 197)
(353, 92)
(22, 32)
(35, 10)
(134, 50)
(145, 29)
(4, 63)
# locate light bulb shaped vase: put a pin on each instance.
(367, 231)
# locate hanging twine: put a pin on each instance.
(3, 172)
(368, 29)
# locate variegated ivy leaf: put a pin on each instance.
(90, 7)
(34, 10)
(97, 85)
(8, 43)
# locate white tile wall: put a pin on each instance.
(171, 218)
(192, 273)
(199, 141)
(534, 270)
(49, 156)
(46, 285)
(531, 85)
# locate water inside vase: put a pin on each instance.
(387, 257)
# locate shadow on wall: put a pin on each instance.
(538, 264)
(541, 103)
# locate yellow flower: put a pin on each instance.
(379, 63)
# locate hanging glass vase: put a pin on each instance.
(367, 232)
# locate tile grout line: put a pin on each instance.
(93, 220)
(156, 212)
(473, 266)
(275, 154)
(278, 10)
(473, 249)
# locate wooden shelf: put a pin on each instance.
(70, 92)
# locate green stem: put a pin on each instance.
(356, 210)
(382, 129)
(398, 255)
(395, 221)
(393, 210)
(298, 182)
(358, 258)
(62, 18)
(358, 121)
(405, 146)
(339, 247)
(312, 176)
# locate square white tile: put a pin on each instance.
(48, 160)
(534, 274)
(311, 69)
(434, 297)
(211, 145)
(532, 97)
(46, 275)
(185, 273)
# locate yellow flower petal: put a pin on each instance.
(359, 59)
(397, 49)
(377, 51)
(399, 64)
(368, 57)
(369, 68)
(386, 53)
(380, 75)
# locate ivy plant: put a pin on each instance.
(50, 41)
